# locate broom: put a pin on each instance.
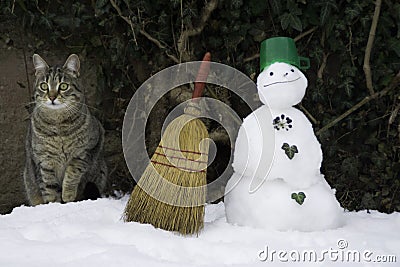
(171, 193)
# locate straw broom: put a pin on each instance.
(171, 193)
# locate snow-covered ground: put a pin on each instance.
(91, 233)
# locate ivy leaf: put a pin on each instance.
(352, 13)
(293, 7)
(285, 20)
(325, 12)
(290, 151)
(95, 41)
(22, 5)
(236, 3)
(326, 8)
(299, 197)
(296, 23)
(257, 8)
(394, 45)
(276, 6)
(45, 21)
(291, 19)
(348, 87)
(368, 200)
(350, 167)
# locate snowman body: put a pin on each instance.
(278, 157)
(301, 171)
(271, 206)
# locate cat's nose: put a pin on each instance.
(52, 98)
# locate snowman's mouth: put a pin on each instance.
(281, 82)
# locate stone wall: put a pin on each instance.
(14, 95)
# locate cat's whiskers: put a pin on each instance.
(72, 110)
(73, 104)
(36, 109)
(88, 106)
(27, 103)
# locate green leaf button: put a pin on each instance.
(290, 151)
(299, 197)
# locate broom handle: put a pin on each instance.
(202, 75)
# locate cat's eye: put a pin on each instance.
(63, 86)
(44, 86)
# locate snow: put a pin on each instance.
(281, 85)
(254, 157)
(277, 182)
(91, 233)
(272, 207)
(250, 157)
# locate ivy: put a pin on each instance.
(291, 19)
(299, 197)
(290, 150)
(326, 8)
(361, 152)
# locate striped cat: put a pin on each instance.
(64, 142)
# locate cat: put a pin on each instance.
(64, 141)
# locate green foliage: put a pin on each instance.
(326, 8)
(290, 150)
(361, 152)
(299, 197)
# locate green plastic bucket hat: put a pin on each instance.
(281, 49)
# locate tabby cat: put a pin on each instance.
(64, 142)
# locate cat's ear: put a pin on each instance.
(39, 64)
(72, 64)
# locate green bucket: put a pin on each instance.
(281, 49)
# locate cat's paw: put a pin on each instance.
(36, 200)
(51, 198)
(69, 196)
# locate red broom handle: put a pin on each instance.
(202, 75)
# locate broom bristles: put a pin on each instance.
(171, 193)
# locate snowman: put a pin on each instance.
(277, 183)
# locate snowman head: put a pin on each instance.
(281, 85)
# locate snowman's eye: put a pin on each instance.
(292, 70)
(271, 73)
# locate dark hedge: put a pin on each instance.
(133, 39)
